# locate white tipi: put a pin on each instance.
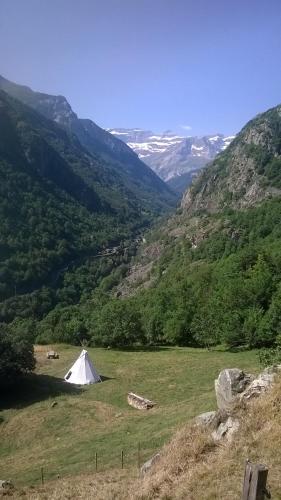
(83, 371)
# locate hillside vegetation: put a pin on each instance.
(246, 173)
(69, 192)
(212, 271)
(209, 276)
(127, 175)
(59, 206)
(215, 275)
(226, 290)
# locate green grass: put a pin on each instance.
(97, 418)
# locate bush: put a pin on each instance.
(16, 355)
(269, 357)
(118, 325)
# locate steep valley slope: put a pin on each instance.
(60, 203)
(147, 190)
(211, 274)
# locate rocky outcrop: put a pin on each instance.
(229, 384)
(207, 419)
(260, 384)
(148, 465)
(240, 176)
(226, 429)
(6, 485)
(233, 386)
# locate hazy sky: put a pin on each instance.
(208, 65)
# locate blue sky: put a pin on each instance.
(210, 65)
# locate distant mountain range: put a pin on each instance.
(176, 159)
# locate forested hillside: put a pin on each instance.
(59, 205)
(212, 274)
(133, 178)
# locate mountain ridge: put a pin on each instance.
(136, 176)
(58, 203)
(173, 156)
(247, 173)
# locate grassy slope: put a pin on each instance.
(64, 439)
(192, 466)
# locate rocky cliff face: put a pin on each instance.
(246, 173)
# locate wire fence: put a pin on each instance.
(122, 458)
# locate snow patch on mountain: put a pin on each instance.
(171, 155)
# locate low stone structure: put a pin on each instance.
(139, 402)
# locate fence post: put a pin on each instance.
(96, 461)
(254, 486)
(42, 476)
(122, 459)
(139, 462)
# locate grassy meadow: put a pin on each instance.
(64, 438)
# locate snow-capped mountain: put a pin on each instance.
(173, 156)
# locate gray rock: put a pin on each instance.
(226, 430)
(147, 465)
(230, 383)
(206, 419)
(6, 485)
(260, 384)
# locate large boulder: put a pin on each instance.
(230, 383)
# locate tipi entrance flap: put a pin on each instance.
(82, 371)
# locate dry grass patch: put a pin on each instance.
(112, 485)
(194, 468)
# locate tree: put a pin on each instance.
(207, 324)
(251, 326)
(16, 356)
(270, 326)
(153, 324)
(118, 324)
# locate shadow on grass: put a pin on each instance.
(238, 348)
(104, 378)
(142, 348)
(33, 388)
